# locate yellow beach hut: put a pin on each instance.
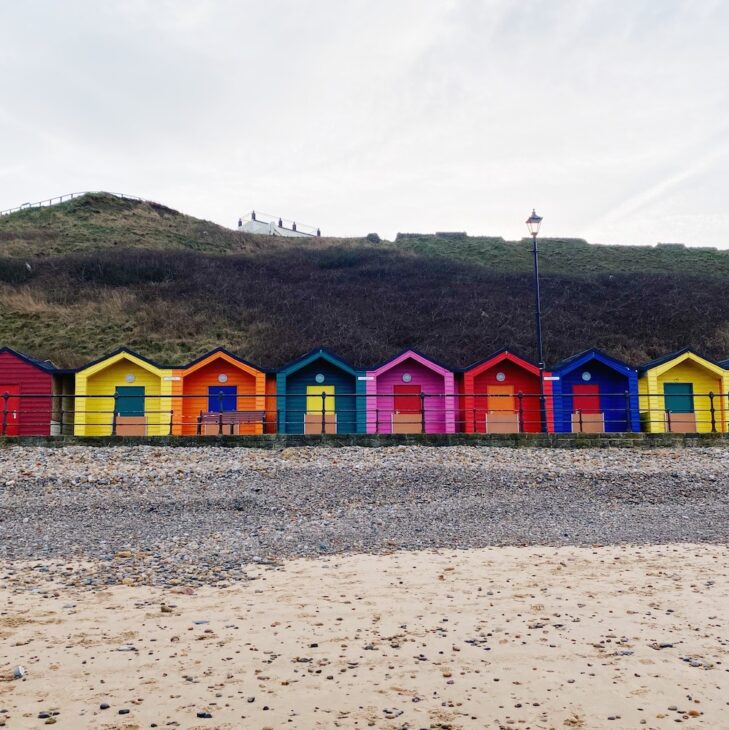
(683, 392)
(124, 394)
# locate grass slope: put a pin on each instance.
(105, 272)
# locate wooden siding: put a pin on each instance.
(704, 376)
(478, 379)
(33, 414)
(292, 388)
(196, 380)
(434, 380)
(618, 395)
(94, 415)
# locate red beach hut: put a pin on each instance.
(31, 395)
(501, 395)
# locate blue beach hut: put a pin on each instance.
(593, 392)
(320, 393)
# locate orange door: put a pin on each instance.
(503, 401)
(9, 410)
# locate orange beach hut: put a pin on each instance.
(220, 394)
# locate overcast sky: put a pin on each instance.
(610, 116)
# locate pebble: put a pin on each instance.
(207, 516)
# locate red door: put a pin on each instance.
(9, 410)
(407, 398)
(586, 398)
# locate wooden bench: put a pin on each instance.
(502, 422)
(130, 426)
(227, 423)
(588, 422)
(313, 423)
(407, 423)
(681, 422)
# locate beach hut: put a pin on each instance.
(36, 397)
(411, 394)
(124, 394)
(320, 393)
(594, 393)
(683, 392)
(219, 393)
(501, 395)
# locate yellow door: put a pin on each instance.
(314, 399)
(504, 400)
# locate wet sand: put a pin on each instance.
(554, 637)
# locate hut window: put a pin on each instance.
(586, 376)
(406, 377)
(222, 378)
(319, 377)
(501, 377)
(130, 378)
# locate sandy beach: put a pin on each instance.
(502, 637)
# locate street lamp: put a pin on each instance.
(533, 223)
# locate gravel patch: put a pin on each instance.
(197, 516)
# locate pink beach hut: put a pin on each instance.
(410, 394)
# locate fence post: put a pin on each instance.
(579, 415)
(422, 412)
(668, 418)
(628, 412)
(323, 412)
(713, 413)
(6, 398)
(113, 419)
(220, 423)
(172, 416)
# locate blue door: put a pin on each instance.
(222, 398)
(130, 400)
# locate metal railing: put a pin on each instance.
(244, 413)
(70, 196)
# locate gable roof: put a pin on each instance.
(724, 364)
(45, 365)
(499, 356)
(593, 353)
(130, 353)
(312, 356)
(687, 351)
(228, 354)
(423, 359)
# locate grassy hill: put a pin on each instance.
(84, 277)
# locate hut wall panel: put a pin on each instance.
(34, 417)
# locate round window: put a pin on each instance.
(586, 376)
(406, 377)
(222, 378)
(501, 377)
(319, 377)
(130, 378)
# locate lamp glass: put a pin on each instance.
(533, 223)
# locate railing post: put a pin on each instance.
(220, 423)
(713, 413)
(113, 419)
(668, 419)
(323, 412)
(422, 412)
(579, 415)
(628, 411)
(6, 398)
(172, 416)
(520, 401)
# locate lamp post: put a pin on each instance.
(533, 223)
